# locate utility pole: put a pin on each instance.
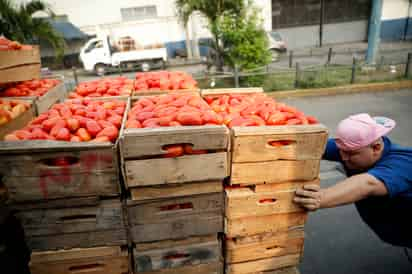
(321, 22)
(374, 31)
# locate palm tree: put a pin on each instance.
(17, 23)
(212, 10)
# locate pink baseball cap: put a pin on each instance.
(360, 130)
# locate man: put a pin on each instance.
(379, 178)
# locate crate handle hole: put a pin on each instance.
(63, 161)
(271, 248)
(281, 143)
(78, 217)
(176, 256)
(267, 201)
(176, 207)
(86, 268)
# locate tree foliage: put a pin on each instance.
(238, 35)
(17, 23)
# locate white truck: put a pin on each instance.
(99, 56)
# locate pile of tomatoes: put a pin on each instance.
(119, 86)
(76, 121)
(256, 110)
(6, 44)
(164, 80)
(37, 87)
(183, 109)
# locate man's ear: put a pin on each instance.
(377, 146)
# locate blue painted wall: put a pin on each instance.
(394, 29)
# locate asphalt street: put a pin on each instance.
(337, 241)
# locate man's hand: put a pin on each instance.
(308, 197)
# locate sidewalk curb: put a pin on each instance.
(343, 90)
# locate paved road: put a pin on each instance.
(337, 241)
(391, 56)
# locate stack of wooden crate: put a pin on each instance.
(22, 65)
(175, 209)
(67, 196)
(263, 227)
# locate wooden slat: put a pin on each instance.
(274, 171)
(259, 266)
(53, 187)
(190, 168)
(74, 253)
(176, 218)
(141, 212)
(114, 237)
(20, 73)
(108, 260)
(263, 200)
(147, 142)
(57, 203)
(54, 95)
(40, 164)
(223, 91)
(12, 58)
(181, 253)
(210, 268)
(104, 216)
(175, 190)
(263, 246)
(177, 228)
(264, 224)
(285, 270)
(251, 144)
(17, 123)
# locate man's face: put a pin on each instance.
(360, 159)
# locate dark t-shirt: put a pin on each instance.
(394, 169)
(387, 216)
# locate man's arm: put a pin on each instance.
(348, 191)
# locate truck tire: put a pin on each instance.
(100, 69)
(145, 66)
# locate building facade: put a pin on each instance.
(302, 23)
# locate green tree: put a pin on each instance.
(244, 39)
(17, 23)
(212, 10)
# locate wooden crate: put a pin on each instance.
(84, 226)
(274, 223)
(30, 176)
(17, 123)
(176, 218)
(264, 266)
(261, 200)
(43, 103)
(19, 65)
(297, 158)
(301, 142)
(223, 91)
(137, 145)
(98, 260)
(200, 255)
(175, 190)
(261, 246)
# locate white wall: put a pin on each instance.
(266, 12)
(395, 9)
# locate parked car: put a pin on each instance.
(276, 44)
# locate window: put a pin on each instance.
(291, 13)
(138, 13)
